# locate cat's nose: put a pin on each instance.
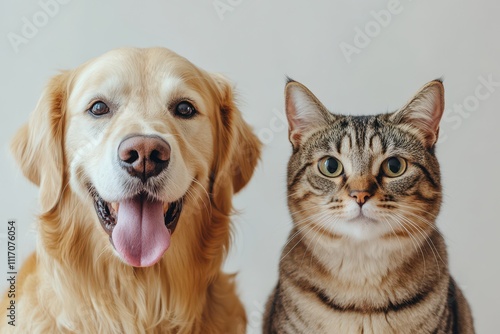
(360, 196)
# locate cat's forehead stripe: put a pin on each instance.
(366, 135)
(362, 130)
(345, 145)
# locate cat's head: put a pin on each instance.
(364, 177)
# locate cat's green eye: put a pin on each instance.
(330, 167)
(394, 166)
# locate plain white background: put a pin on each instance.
(256, 43)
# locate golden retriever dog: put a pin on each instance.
(137, 154)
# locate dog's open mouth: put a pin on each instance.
(139, 227)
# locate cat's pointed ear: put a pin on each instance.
(305, 113)
(423, 113)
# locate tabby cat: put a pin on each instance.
(365, 255)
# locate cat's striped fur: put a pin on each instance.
(365, 255)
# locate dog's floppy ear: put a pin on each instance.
(238, 149)
(38, 145)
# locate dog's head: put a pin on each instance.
(133, 131)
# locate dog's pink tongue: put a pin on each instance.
(140, 234)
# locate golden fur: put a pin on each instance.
(75, 283)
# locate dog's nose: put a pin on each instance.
(144, 156)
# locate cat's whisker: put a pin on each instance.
(413, 239)
(317, 206)
(402, 205)
(431, 243)
(303, 236)
(323, 225)
(425, 237)
(431, 224)
(320, 223)
(394, 232)
(283, 226)
(300, 228)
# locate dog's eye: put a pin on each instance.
(99, 108)
(185, 110)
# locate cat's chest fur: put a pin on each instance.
(365, 254)
(339, 287)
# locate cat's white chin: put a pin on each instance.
(361, 228)
(361, 223)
